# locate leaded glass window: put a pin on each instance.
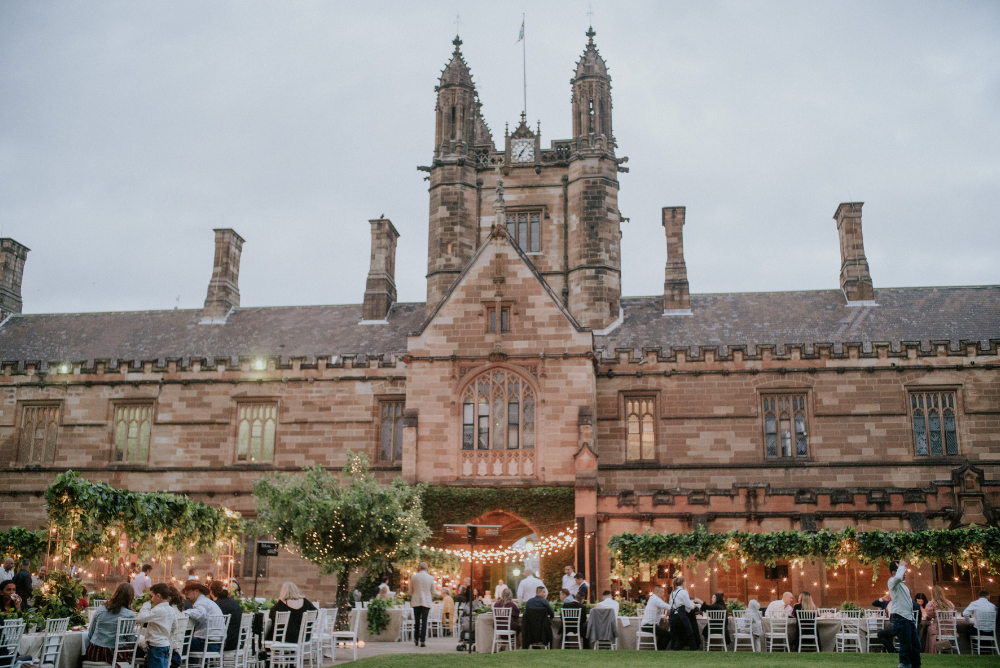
(133, 424)
(39, 429)
(640, 428)
(785, 432)
(934, 428)
(256, 428)
(391, 431)
(498, 412)
(525, 228)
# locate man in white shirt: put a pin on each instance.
(608, 602)
(7, 572)
(158, 616)
(202, 607)
(142, 581)
(901, 606)
(499, 589)
(421, 599)
(780, 608)
(981, 604)
(568, 581)
(651, 614)
(526, 589)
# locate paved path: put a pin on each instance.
(444, 645)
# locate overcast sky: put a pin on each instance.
(129, 130)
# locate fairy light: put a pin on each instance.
(544, 547)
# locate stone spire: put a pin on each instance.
(591, 93)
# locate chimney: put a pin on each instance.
(12, 256)
(855, 281)
(676, 297)
(224, 288)
(380, 290)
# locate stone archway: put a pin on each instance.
(486, 576)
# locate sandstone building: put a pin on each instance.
(527, 367)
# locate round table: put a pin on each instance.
(391, 633)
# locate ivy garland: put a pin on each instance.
(965, 547)
(154, 522)
(378, 615)
(18, 542)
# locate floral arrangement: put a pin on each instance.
(735, 604)
(850, 605)
(627, 608)
(378, 615)
(249, 605)
(59, 597)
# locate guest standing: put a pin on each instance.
(448, 608)
(582, 593)
(291, 601)
(141, 582)
(421, 599)
(231, 607)
(568, 581)
(104, 626)
(22, 581)
(902, 618)
(528, 586)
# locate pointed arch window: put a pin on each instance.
(934, 427)
(785, 433)
(640, 427)
(498, 413)
(391, 431)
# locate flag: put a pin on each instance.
(521, 35)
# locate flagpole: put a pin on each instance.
(524, 67)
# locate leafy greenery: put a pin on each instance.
(155, 522)
(32, 618)
(964, 547)
(378, 615)
(59, 596)
(734, 604)
(18, 542)
(342, 523)
(249, 605)
(138, 601)
(850, 605)
(627, 608)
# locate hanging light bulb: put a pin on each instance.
(528, 544)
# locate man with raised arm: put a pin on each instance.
(902, 619)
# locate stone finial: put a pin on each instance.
(676, 294)
(380, 290)
(12, 257)
(224, 288)
(855, 279)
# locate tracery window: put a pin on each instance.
(257, 423)
(498, 413)
(133, 423)
(785, 433)
(525, 228)
(39, 428)
(934, 430)
(391, 431)
(640, 427)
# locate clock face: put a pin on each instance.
(522, 150)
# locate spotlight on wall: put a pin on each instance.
(258, 364)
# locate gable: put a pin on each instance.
(539, 323)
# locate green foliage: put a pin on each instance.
(18, 542)
(155, 522)
(544, 508)
(627, 608)
(964, 547)
(59, 596)
(734, 604)
(268, 604)
(138, 601)
(850, 605)
(368, 584)
(249, 605)
(378, 615)
(32, 618)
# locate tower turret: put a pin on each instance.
(592, 94)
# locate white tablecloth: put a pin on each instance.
(73, 651)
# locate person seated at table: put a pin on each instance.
(607, 601)
(383, 588)
(656, 608)
(39, 578)
(938, 602)
(202, 607)
(158, 616)
(231, 607)
(192, 574)
(104, 626)
(179, 627)
(9, 600)
(570, 601)
(536, 628)
(981, 604)
(291, 601)
(717, 602)
(477, 597)
(805, 602)
(83, 602)
(782, 607)
(506, 600)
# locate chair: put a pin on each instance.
(985, 633)
(503, 634)
(597, 626)
(536, 629)
(407, 625)
(435, 621)
(280, 624)
(744, 631)
(827, 612)
(215, 634)
(716, 629)
(126, 642)
(807, 629)
(948, 629)
(185, 649)
(347, 637)
(571, 627)
(849, 638)
(10, 641)
(52, 642)
(645, 635)
(293, 654)
(777, 633)
(325, 630)
(239, 657)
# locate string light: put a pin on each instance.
(544, 547)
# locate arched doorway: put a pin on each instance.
(486, 575)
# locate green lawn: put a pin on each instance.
(586, 658)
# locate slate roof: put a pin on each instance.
(749, 319)
(808, 317)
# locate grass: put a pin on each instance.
(586, 658)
